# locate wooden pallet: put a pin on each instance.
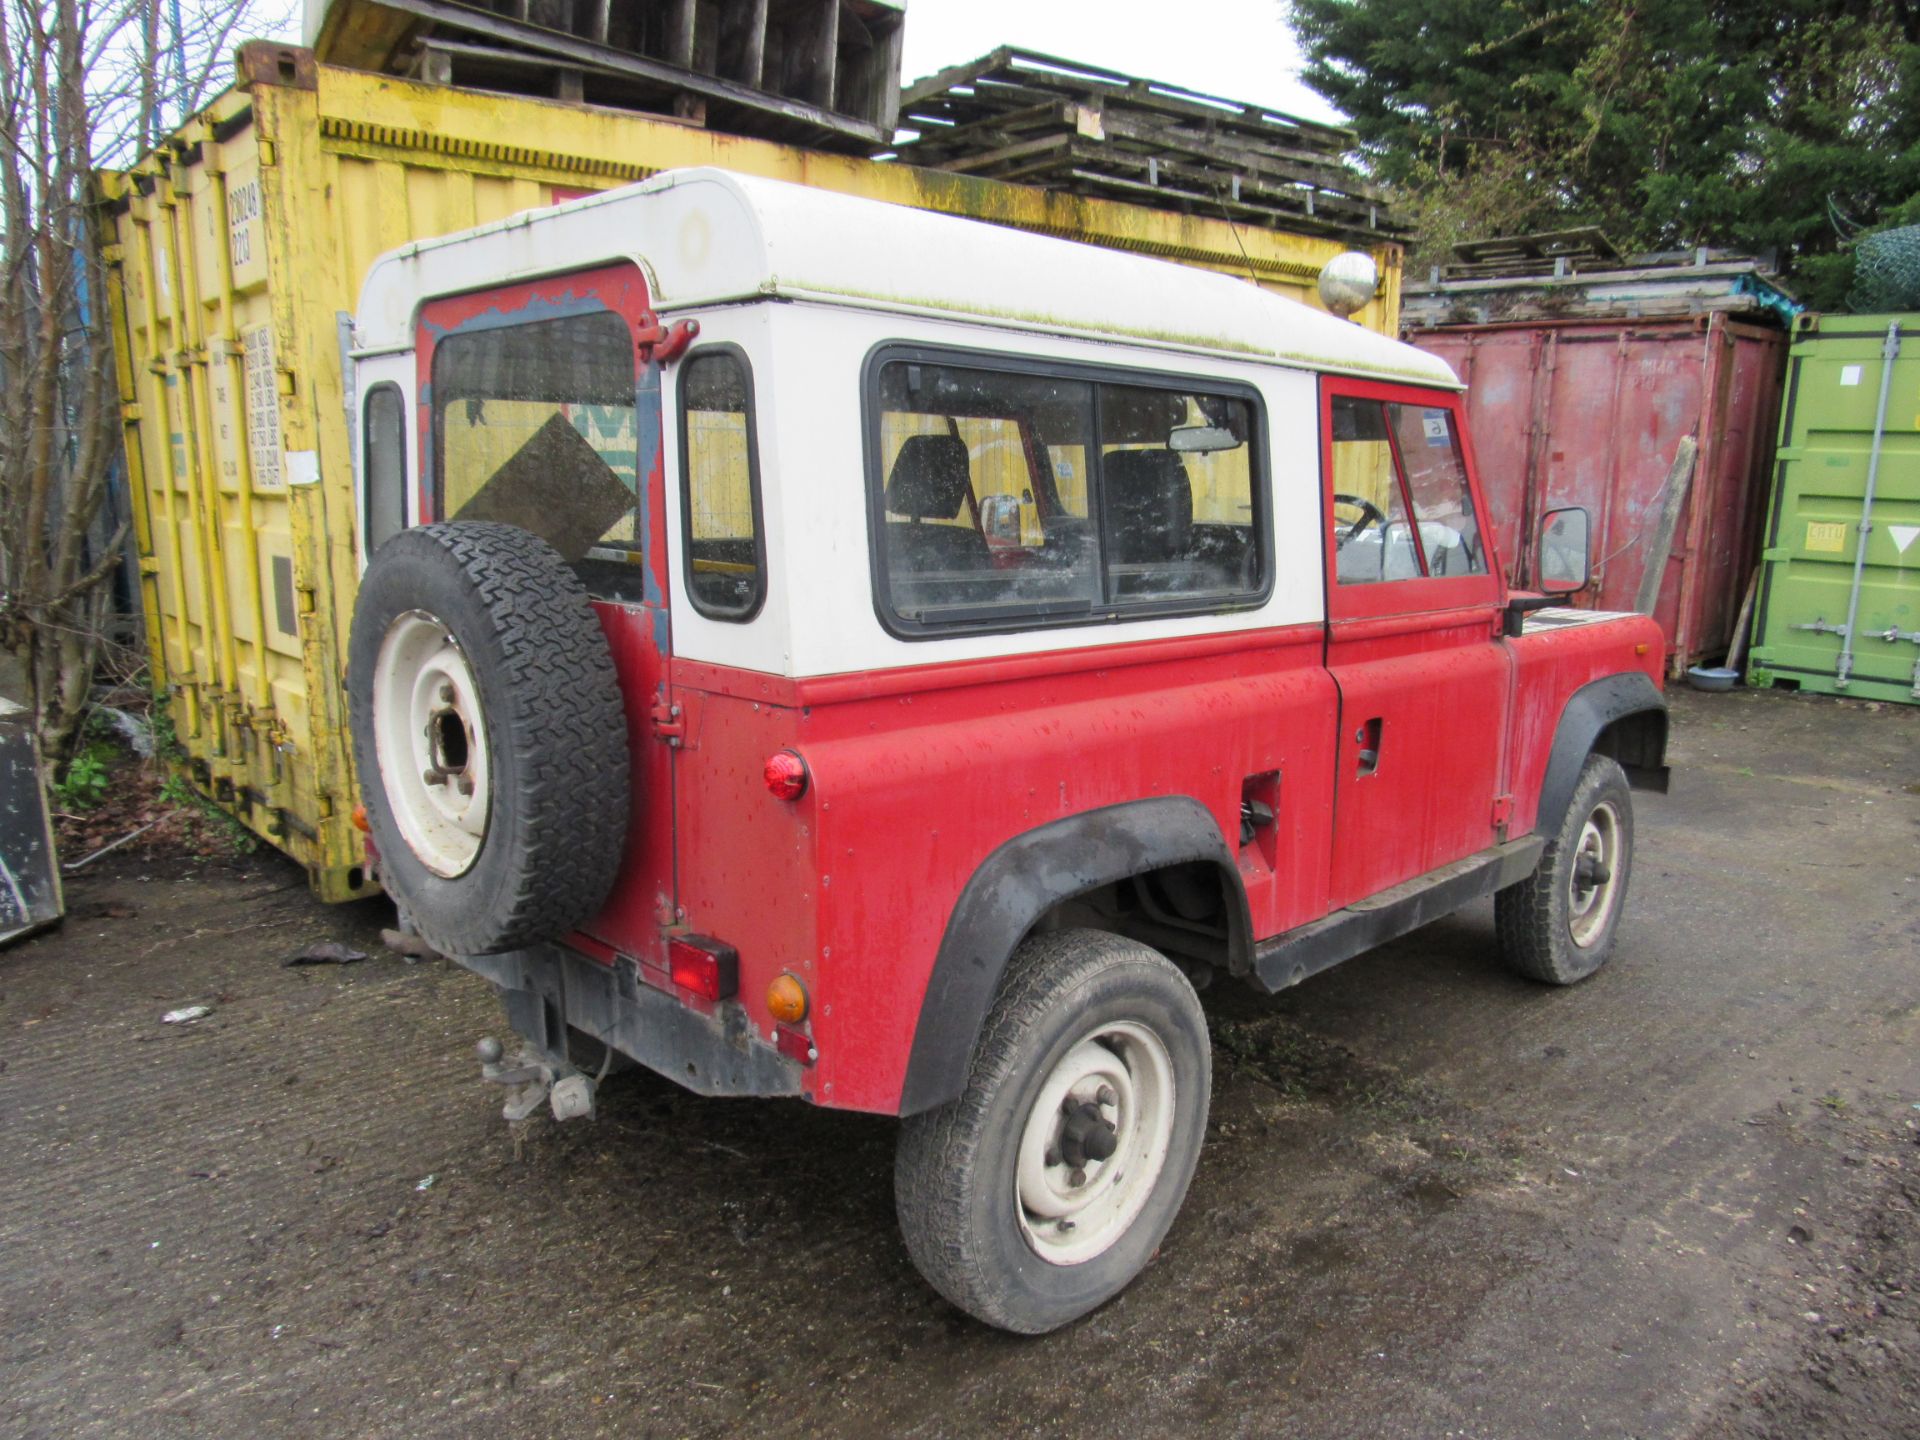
(1022, 116)
(812, 72)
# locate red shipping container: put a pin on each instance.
(1590, 412)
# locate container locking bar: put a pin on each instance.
(1889, 352)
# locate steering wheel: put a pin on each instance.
(1370, 514)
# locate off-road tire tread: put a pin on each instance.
(938, 1147)
(563, 716)
(1528, 920)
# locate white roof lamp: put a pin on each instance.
(1348, 281)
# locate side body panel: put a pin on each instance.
(917, 777)
(1559, 654)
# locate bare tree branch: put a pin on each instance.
(82, 82)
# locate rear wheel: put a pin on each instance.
(1042, 1191)
(1560, 923)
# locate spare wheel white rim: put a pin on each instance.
(431, 741)
(1074, 1205)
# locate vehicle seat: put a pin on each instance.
(931, 480)
(1149, 507)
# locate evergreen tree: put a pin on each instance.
(1781, 125)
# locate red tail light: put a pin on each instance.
(786, 775)
(705, 966)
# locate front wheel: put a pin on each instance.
(1040, 1192)
(1560, 923)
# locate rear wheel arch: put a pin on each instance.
(1051, 875)
(1623, 716)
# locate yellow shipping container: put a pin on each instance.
(237, 250)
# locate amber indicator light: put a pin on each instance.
(787, 1000)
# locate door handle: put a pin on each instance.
(1367, 741)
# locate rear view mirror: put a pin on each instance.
(1566, 562)
(1201, 439)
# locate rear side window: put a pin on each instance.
(1010, 497)
(726, 568)
(385, 464)
(535, 426)
(1402, 509)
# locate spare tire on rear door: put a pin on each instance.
(489, 735)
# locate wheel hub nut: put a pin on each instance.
(1087, 1135)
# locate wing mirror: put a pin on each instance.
(1565, 555)
(1564, 564)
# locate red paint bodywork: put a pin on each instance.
(1590, 413)
(917, 774)
(1423, 684)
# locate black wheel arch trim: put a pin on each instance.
(1023, 879)
(1588, 713)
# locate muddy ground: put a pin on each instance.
(1679, 1200)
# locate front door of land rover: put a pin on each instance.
(543, 402)
(1413, 643)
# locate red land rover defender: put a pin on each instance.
(817, 648)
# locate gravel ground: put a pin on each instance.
(1678, 1200)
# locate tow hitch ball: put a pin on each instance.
(530, 1079)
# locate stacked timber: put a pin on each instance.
(1581, 275)
(822, 73)
(1035, 119)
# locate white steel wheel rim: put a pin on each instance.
(1066, 1223)
(431, 742)
(1590, 906)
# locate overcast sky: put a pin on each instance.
(1240, 49)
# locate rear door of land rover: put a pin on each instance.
(541, 408)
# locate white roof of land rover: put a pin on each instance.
(707, 236)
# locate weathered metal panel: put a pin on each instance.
(234, 250)
(1591, 413)
(30, 897)
(1839, 599)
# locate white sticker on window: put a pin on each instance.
(1434, 422)
(1850, 374)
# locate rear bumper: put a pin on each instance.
(546, 989)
